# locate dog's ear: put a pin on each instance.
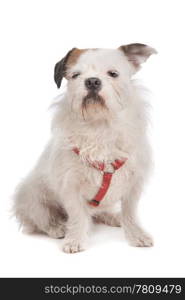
(60, 68)
(137, 53)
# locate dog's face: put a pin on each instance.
(98, 79)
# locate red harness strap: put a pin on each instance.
(107, 176)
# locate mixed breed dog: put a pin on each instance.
(98, 159)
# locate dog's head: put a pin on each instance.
(98, 79)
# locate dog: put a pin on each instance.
(98, 159)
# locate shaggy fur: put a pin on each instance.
(53, 198)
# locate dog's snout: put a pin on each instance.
(93, 84)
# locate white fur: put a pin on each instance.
(62, 182)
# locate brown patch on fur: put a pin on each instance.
(136, 48)
(71, 58)
(74, 56)
(133, 51)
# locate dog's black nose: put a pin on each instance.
(93, 84)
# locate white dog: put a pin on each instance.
(98, 156)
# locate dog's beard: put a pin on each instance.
(93, 98)
(93, 101)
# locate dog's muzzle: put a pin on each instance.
(93, 98)
(93, 86)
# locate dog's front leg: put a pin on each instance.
(77, 224)
(135, 235)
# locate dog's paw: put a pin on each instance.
(141, 240)
(73, 246)
(57, 232)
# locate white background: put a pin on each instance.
(34, 36)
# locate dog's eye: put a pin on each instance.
(113, 74)
(75, 75)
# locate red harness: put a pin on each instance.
(108, 172)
